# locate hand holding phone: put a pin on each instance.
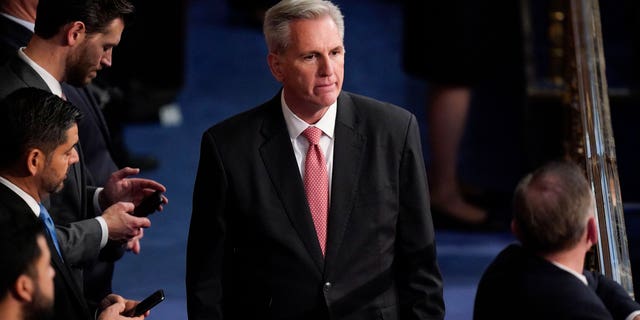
(148, 205)
(146, 304)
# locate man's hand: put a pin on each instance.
(120, 187)
(133, 245)
(122, 225)
(114, 307)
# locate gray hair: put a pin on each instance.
(551, 207)
(277, 19)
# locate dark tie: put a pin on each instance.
(51, 228)
(316, 184)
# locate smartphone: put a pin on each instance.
(146, 304)
(148, 205)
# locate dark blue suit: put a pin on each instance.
(521, 285)
(12, 37)
(69, 301)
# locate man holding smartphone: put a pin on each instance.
(39, 133)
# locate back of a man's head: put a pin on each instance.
(52, 15)
(551, 207)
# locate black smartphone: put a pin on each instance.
(148, 205)
(146, 304)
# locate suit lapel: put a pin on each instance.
(280, 163)
(16, 205)
(347, 158)
(65, 273)
(29, 77)
(84, 97)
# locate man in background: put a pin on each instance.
(544, 276)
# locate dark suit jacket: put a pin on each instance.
(92, 128)
(252, 249)
(69, 301)
(96, 151)
(12, 37)
(74, 202)
(521, 285)
(94, 134)
(72, 209)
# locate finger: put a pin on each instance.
(124, 172)
(136, 246)
(127, 206)
(119, 306)
(147, 185)
(111, 299)
(139, 222)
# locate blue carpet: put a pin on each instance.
(226, 72)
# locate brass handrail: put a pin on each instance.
(592, 142)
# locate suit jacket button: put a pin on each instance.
(326, 287)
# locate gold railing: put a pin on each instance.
(594, 144)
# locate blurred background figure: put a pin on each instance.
(457, 47)
(146, 77)
(545, 275)
(249, 13)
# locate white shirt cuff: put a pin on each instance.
(103, 223)
(105, 231)
(96, 203)
(633, 315)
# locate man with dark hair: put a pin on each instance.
(73, 40)
(39, 133)
(544, 276)
(26, 274)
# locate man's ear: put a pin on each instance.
(275, 66)
(23, 288)
(35, 161)
(592, 230)
(514, 229)
(76, 31)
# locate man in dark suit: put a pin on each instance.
(40, 132)
(70, 45)
(544, 277)
(17, 22)
(286, 227)
(16, 25)
(26, 274)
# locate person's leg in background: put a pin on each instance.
(447, 110)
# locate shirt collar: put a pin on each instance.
(52, 83)
(580, 276)
(295, 125)
(31, 202)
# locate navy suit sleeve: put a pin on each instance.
(613, 295)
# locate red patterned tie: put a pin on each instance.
(316, 184)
